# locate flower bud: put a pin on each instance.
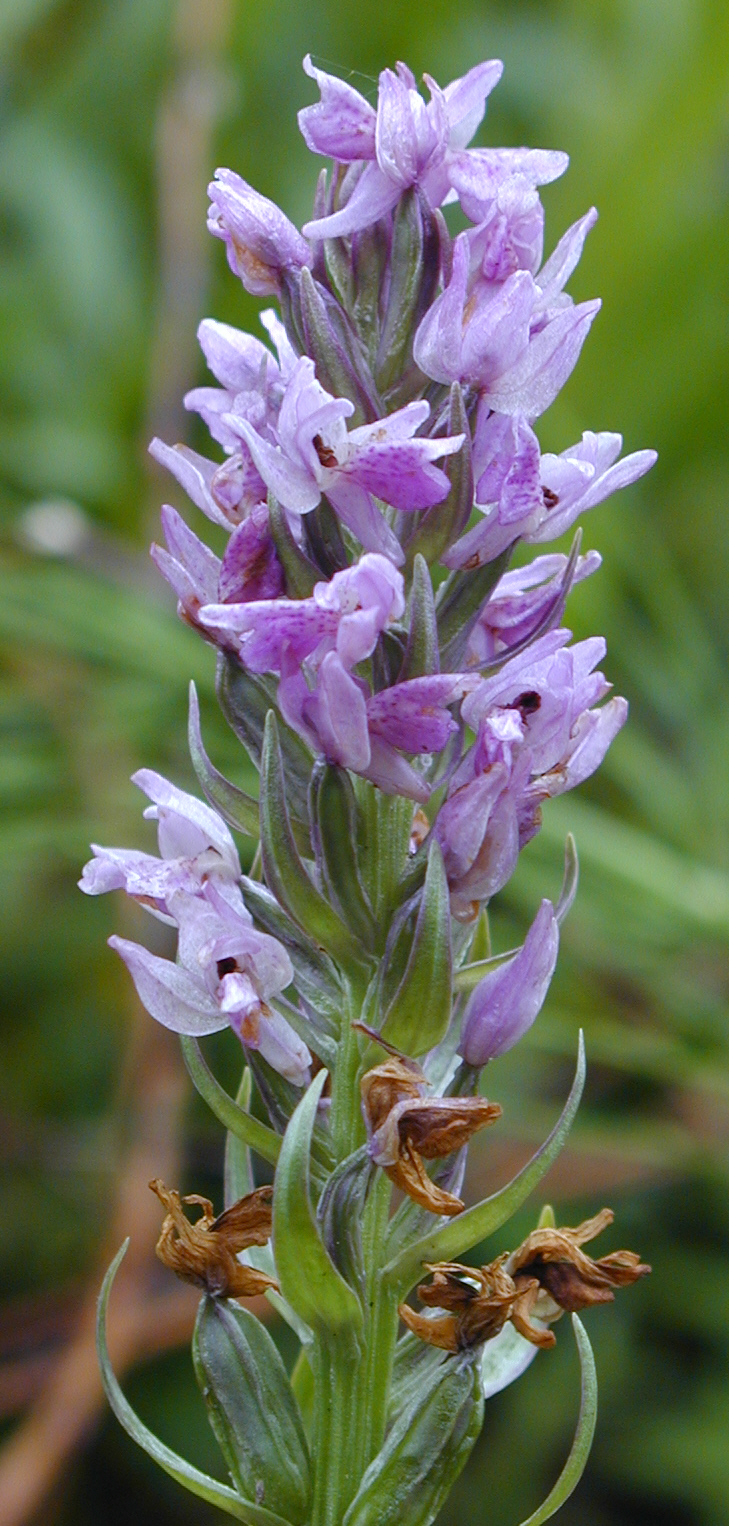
(508, 999)
(259, 239)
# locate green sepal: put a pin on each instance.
(334, 831)
(414, 270)
(252, 1409)
(299, 571)
(421, 652)
(460, 601)
(418, 1015)
(439, 527)
(424, 1452)
(245, 700)
(234, 805)
(256, 1135)
(580, 1450)
(308, 1277)
(451, 1240)
(286, 876)
(183, 1472)
(333, 351)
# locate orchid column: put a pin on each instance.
(410, 699)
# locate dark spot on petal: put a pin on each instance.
(528, 703)
(226, 967)
(550, 499)
(325, 453)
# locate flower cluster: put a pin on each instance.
(399, 672)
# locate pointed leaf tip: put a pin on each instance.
(580, 1450)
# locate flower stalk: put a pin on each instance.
(393, 661)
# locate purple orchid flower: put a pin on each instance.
(502, 336)
(345, 615)
(406, 142)
(315, 454)
(508, 999)
(539, 732)
(520, 601)
(253, 383)
(225, 492)
(552, 687)
(226, 974)
(583, 476)
(524, 495)
(260, 242)
(314, 644)
(250, 569)
(195, 846)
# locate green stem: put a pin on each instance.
(336, 1473)
(381, 1325)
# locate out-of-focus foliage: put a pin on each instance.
(113, 112)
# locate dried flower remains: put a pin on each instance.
(206, 1252)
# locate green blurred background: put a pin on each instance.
(114, 114)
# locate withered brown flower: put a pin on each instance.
(205, 1253)
(405, 1127)
(479, 1300)
(545, 1276)
(572, 1280)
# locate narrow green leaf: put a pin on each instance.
(333, 351)
(317, 978)
(339, 270)
(335, 811)
(403, 297)
(284, 869)
(421, 652)
(426, 1448)
(245, 700)
(249, 1130)
(439, 527)
(309, 1279)
(418, 1016)
(183, 1472)
(301, 574)
(469, 975)
(450, 1241)
(575, 1465)
(461, 599)
(571, 876)
(235, 806)
(237, 1169)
